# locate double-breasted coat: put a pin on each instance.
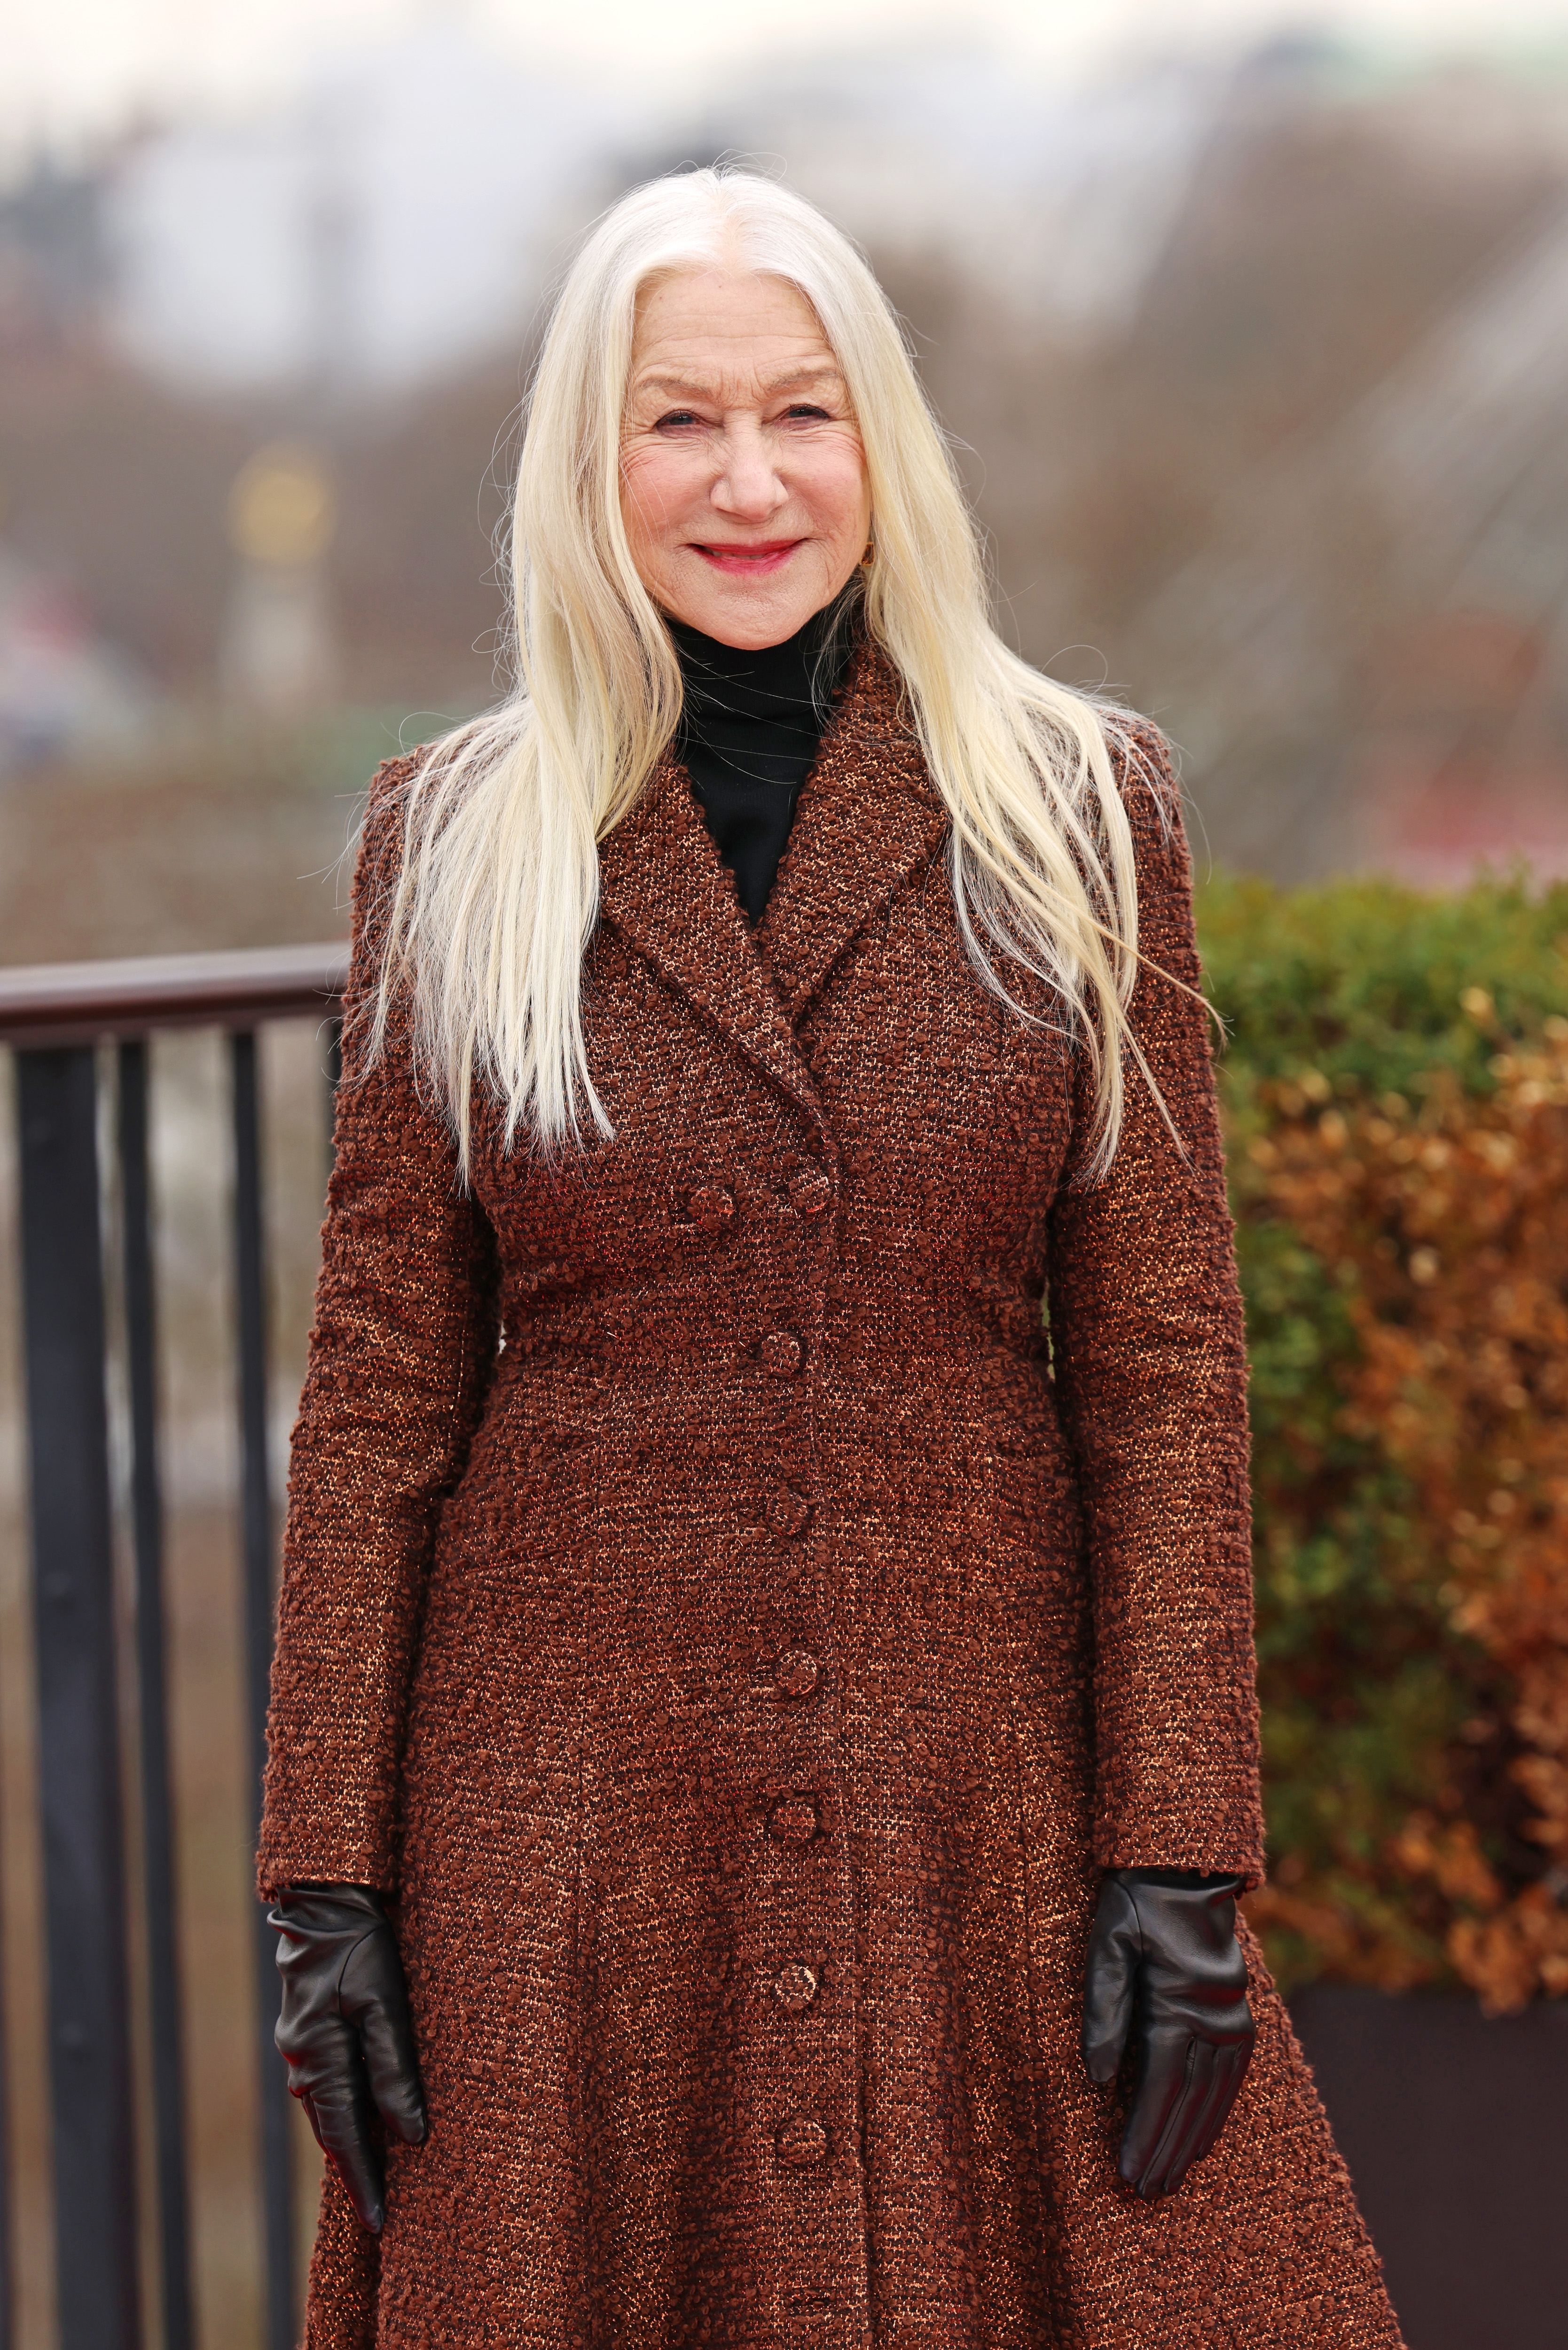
(736, 1626)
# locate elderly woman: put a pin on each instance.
(765, 1653)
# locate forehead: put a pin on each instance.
(726, 324)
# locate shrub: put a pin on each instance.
(1395, 1089)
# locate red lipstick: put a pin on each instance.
(748, 559)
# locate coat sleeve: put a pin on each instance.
(400, 1350)
(1149, 1358)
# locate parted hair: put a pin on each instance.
(497, 893)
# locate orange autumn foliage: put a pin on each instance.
(1444, 1224)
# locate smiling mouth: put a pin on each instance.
(750, 561)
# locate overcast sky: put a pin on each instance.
(72, 66)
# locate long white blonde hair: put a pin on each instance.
(498, 894)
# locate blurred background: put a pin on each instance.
(1249, 325)
(1252, 336)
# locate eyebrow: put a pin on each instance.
(815, 371)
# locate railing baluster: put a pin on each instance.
(158, 1872)
(256, 1520)
(78, 1746)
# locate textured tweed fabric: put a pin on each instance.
(736, 1636)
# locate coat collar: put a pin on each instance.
(867, 817)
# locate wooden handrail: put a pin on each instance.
(76, 1003)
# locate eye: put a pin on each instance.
(808, 410)
(675, 418)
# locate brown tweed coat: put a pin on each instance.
(737, 1636)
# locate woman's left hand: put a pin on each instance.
(1164, 1961)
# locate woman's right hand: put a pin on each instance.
(344, 2029)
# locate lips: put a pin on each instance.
(750, 559)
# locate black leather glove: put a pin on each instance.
(1164, 1961)
(344, 2031)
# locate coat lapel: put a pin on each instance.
(868, 815)
(662, 885)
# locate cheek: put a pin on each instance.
(656, 488)
(834, 484)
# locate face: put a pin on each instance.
(742, 478)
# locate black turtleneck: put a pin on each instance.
(750, 727)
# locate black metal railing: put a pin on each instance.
(58, 1019)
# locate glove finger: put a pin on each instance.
(1164, 2064)
(1183, 2143)
(342, 2118)
(1109, 1975)
(393, 2068)
(1229, 2071)
(1168, 2160)
(321, 2051)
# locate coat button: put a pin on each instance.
(781, 1354)
(795, 1987)
(796, 1674)
(810, 1190)
(802, 2143)
(787, 1511)
(712, 1208)
(795, 1820)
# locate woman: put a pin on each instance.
(792, 1721)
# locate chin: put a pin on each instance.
(749, 621)
(751, 634)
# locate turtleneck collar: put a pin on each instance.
(750, 726)
(734, 698)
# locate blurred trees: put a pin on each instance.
(1314, 251)
(1227, 511)
(119, 490)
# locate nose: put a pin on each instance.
(748, 486)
